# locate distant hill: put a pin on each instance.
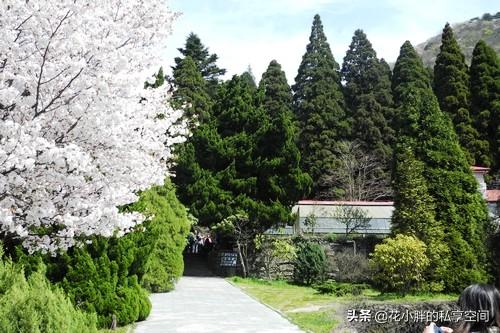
(467, 34)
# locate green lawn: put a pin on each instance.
(316, 312)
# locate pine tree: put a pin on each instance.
(485, 99)
(318, 104)
(205, 62)
(368, 97)
(451, 85)
(280, 178)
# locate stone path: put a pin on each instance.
(211, 304)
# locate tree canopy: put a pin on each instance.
(319, 106)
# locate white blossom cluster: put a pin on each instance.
(79, 136)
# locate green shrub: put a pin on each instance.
(274, 256)
(310, 265)
(399, 263)
(107, 277)
(340, 289)
(98, 279)
(34, 306)
(163, 238)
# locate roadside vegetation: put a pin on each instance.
(318, 312)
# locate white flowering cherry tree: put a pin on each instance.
(79, 136)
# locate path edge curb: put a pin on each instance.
(284, 316)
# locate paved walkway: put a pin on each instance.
(211, 304)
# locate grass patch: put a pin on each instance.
(316, 312)
(318, 322)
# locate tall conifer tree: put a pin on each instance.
(280, 177)
(415, 211)
(451, 85)
(319, 107)
(485, 98)
(408, 72)
(191, 94)
(459, 207)
(205, 62)
(368, 97)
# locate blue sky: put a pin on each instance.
(246, 32)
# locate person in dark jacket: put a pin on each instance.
(479, 298)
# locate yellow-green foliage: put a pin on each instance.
(399, 263)
(164, 237)
(34, 306)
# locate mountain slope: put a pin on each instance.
(467, 34)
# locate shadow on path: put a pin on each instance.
(196, 265)
(211, 305)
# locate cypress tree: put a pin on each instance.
(205, 62)
(485, 99)
(408, 72)
(249, 77)
(451, 85)
(368, 97)
(414, 212)
(190, 94)
(280, 178)
(459, 207)
(318, 104)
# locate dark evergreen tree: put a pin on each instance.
(319, 107)
(229, 165)
(280, 178)
(408, 72)
(159, 80)
(368, 96)
(190, 92)
(415, 212)
(485, 99)
(205, 62)
(451, 85)
(459, 207)
(249, 77)
(197, 176)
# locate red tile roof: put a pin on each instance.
(351, 203)
(492, 195)
(479, 169)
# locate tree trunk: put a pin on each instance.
(243, 266)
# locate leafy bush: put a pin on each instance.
(33, 305)
(399, 263)
(274, 255)
(162, 239)
(105, 277)
(340, 289)
(352, 267)
(310, 265)
(97, 280)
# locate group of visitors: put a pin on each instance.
(476, 298)
(199, 243)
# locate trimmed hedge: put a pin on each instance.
(107, 277)
(33, 305)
